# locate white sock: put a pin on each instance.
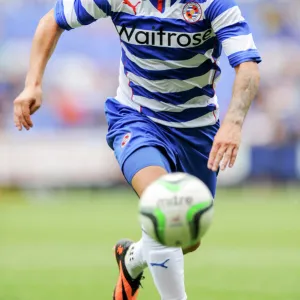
(167, 268)
(134, 259)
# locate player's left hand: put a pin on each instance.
(225, 147)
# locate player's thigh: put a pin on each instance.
(145, 165)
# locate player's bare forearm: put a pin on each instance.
(244, 90)
(227, 141)
(44, 42)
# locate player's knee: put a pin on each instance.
(192, 248)
(145, 177)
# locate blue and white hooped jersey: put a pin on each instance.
(170, 52)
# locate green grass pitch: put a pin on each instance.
(58, 246)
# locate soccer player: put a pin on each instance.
(165, 116)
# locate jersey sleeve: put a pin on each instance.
(232, 31)
(70, 14)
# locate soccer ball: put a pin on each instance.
(176, 210)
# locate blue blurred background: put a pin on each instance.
(67, 145)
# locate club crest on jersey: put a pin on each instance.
(192, 12)
(126, 139)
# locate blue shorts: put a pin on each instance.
(139, 142)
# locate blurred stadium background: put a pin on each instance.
(60, 210)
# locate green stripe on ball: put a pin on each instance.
(161, 224)
(192, 213)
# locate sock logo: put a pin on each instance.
(163, 264)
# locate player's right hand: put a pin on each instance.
(27, 103)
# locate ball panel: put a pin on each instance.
(161, 225)
(196, 222)
(171, 186)
(158, 220)
(177, 208)
(205, 222)
(193, 216)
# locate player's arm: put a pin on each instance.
(45, 39)
(68, 14)
(234, 33)
(244, 90)
(228, 138)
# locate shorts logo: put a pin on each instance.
(192, 12)
(126, 139)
